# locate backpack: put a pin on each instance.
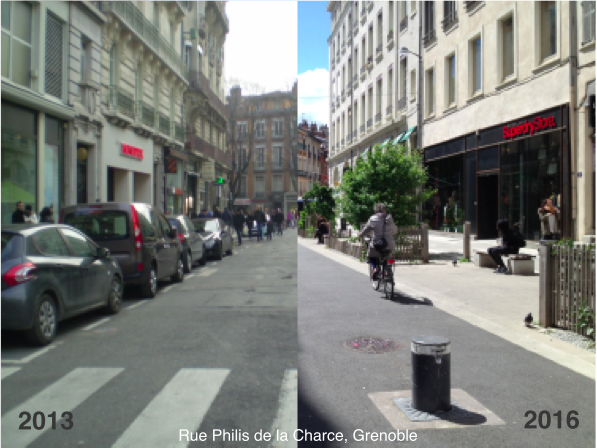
(518, 239)
(381, 243)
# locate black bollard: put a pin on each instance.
(430, 357)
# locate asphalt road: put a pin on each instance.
(342, 390)
(217, 352)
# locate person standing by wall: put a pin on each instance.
(238, 220)
(549, 215)
(18, 216)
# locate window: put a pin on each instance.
(547, 11)
(114, 66)
(260, 158)
(379, 32)
(243, 186)
(259, 186)
(370, 101)
(475, 66)
(450, 15)
(277, 183)
(16, 42)
(429, 25)
(85, 58)
(430, 91)
(260, 129)
(378, 99)
(391, 17)
(506, 27)
(138, 84)
(413, 7)
(156, 15)
(241, 130)
(172, 32)
(48, 242)
(402, 90)
(588, 22)
(277, 157)
(413, 84)
(187, 55)
(242, 158)
(79, 245)
(451, 80)
(390, 93)
(279, 128)
(156, 94)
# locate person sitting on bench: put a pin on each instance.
(512, 241)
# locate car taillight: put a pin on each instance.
(181, 237)
(139, 267)
(20, 273)
(137, 230)
(390, 261)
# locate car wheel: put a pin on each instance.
(203, 260)
(45, 321)
(150, 288)
(188, 262)
(114, 304)
(179, 274)
(219, 252)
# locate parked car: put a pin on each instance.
(139, 237)
(217, 236)
(193, 246)
(254, 230)
(51, 272)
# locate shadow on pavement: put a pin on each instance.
(312, 421)
(404, 299)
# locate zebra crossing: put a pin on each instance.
(181, 404)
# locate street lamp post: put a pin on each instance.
(404, 51)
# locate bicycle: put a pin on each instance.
(386, 274)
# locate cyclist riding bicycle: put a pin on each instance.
(380, 230)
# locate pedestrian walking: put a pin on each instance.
(46, 214)
(278, 220)
(18, 216)
(249, 219)
(269, 223)
(238, 221)
(226, 216)
(512, 241)
(217, 213)
(259, 216)
(289, 219)
(549, 215)
(203, 214)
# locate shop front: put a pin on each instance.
(502, 172)
(32, 160)
(174, 180)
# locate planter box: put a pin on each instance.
(326, 240)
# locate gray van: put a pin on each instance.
(138, 236)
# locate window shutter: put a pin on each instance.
(54, 56)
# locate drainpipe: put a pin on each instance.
(573, 117)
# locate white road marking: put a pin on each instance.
(32, 356)
(167, 288)
(287, 416)
(181, 404)
(64, 395)
(207, 272)
(7, 371)
(135, 305)
(97, 324)
(190, 276)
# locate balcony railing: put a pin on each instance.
(363, 12)
(389, 110)
(129, 14)
(429, 37)
(363, 69)
(403, 24)
(178, 132)
(349, 138)
(449, 20)
(145, 114)
(369, 6)
(355, 78)
(401, 104)
(355, 27)
(164, 124)
(470, 5)
(390, 35)
(369, 123)
(349, 40)
(122, 101)
(378, 117)
(348, 90)
(370, 59)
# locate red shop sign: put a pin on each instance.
(529, 127)
(131, 151)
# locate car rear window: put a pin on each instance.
(100, 224)
(13, 245)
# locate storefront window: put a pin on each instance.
(52, 164)
(530, 172)
(174, 181)
(444, 211)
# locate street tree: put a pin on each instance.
(240, 141)
(394, 176)
(319, 200)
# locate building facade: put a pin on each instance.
(36, 115)
(266, 139)
(206, 114)
(373, 88)
(312, 154)
(501, 129)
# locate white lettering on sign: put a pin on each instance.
(131, 151)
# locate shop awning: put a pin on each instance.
(397, 140)
(407, 134)
(386, 142)
(12, 193)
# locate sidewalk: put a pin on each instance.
(494, 303)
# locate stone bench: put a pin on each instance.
(483, 259)
(521, 264)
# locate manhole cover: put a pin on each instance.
(366, 344)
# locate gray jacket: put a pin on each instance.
(375, 227)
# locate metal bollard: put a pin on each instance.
(430, 356)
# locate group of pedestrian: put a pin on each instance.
(258, 220)
(291, 218)
(24, 214)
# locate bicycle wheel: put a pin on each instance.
(389, 282)
(374, 283)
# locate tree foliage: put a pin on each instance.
(320, 201)
(394, 176)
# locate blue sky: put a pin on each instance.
(314, 28)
